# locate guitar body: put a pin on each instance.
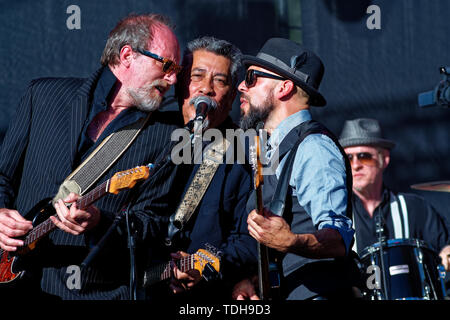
(205, 261)
(7, 273)
(12, 264)
(40, 212)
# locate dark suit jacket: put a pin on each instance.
(221, 220)
(37, 154)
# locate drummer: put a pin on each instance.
(401, 215)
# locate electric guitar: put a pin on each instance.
(10, 268)
(263, 253)
(199, 260)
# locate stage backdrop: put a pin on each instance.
(370, 72)
(377, 61)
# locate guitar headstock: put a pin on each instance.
(202, 257)
(127, 179)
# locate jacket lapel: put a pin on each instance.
(79, 110)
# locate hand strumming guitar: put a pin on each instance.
(12, 225)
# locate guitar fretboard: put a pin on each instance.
(163, 271)
(47, 226)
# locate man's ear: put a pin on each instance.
(284, 90)
(125, 55)
(385, 158)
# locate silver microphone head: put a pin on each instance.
(203, 104)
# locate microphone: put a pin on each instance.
(203, 104)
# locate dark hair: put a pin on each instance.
(219, 47)
(134, 30)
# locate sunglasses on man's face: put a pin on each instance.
(252, 76)
(168, 66)
(364, 158)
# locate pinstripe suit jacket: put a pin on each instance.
(37, 154)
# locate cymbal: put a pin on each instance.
(443, 186)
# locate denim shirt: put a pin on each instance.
(318, 177)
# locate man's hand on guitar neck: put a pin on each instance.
(12, 225)
(74, 220)
(270, 230)
(182, 281)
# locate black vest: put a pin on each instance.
(304, 277)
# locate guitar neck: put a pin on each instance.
(92, 196)
(163, 271)
(44, 228)
(263, 255)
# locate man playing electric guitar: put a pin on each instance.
(210, 72)
(312, 231)
(58, 123)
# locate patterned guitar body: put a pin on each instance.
(12, 264)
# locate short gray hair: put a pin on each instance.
(219, 47)
(134, 30)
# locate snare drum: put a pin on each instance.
(412, 271)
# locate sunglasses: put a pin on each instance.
(168, 65)
(364, 158)
(252, 76)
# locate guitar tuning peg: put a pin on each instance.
(213, 250)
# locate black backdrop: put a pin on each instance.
(369, 73)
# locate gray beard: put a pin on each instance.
(142, 99)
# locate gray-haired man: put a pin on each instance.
(59, 122)
(210, 69)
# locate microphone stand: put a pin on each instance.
(132, 248)
(125, 213)
(381, 239)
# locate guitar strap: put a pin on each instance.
(277, 204)
(100, 160)
(212, 158)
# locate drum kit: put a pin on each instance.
(405, 269)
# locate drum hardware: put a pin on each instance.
(381, 238)
(433, 289)
(412, 271)
(419, 257)
(442, 273)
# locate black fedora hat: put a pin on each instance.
(290, 60)
(363, 132)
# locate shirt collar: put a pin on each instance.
(286, 126)
(104, 87)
